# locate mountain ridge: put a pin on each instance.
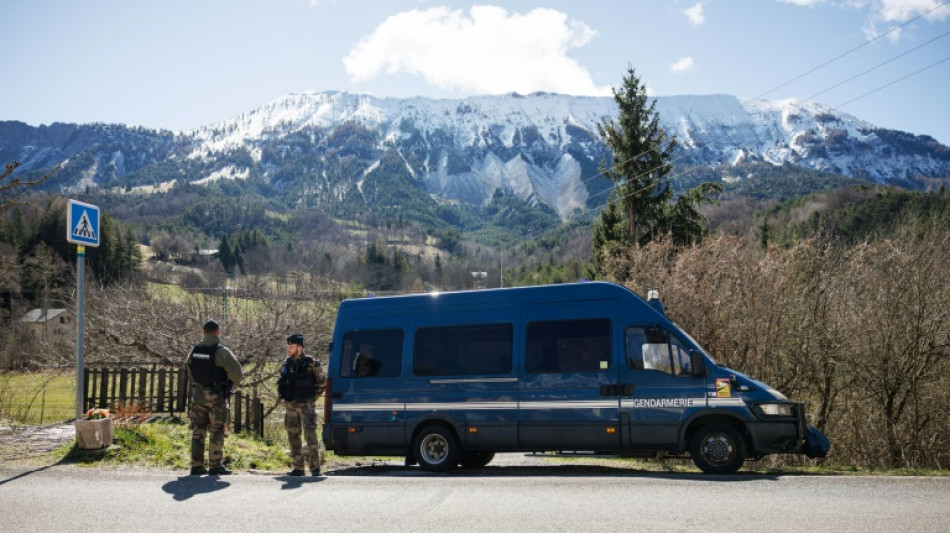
(543, 148)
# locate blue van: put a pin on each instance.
(448, 379)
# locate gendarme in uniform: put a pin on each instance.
(213, 370)
(301, 382)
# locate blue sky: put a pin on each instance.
(179, 64)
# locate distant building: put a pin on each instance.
(205, 256)
(48, 324)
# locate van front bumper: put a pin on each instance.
(785, 435)
(775, 437)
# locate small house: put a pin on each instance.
(48, 324)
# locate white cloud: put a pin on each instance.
(695, 15)
(904, 10)
(682, 65)
(486, 51)
(887, 10)
(802, 2)
(886, 15)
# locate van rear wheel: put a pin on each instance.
(436, 449)
(718, 449)
(476, 459)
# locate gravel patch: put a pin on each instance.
(23, 442)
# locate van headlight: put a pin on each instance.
(775, 409)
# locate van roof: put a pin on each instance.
(539, 293)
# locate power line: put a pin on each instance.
(875, 67)
(893, 82)
(832, 60)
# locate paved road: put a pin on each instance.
(507, 498)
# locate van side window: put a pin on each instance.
(372, 354)
(463, 350)
(655, 349)
(568, 346)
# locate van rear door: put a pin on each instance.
(569, 394)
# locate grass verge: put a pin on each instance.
(167, 445)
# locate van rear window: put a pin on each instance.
(568, 346)
(463, 350)
(372, 354)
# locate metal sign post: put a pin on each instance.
(80, 321)
(82, 229)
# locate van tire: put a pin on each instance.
(436, 448)
(476, 459)
(718, 449)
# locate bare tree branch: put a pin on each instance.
(17, 182)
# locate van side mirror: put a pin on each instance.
(698, 363)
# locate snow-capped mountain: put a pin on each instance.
(543, 148)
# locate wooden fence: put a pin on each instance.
(161, 390)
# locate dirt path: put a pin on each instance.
(19, 443)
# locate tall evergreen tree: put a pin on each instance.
(237, 255)
(225, 255)
(609, 234)
(19, 233)
(642, 160)
(133, 260)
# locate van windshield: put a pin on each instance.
(696, 344)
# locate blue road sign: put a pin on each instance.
(82, 224)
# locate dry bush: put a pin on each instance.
(132, 413)
(897, 321)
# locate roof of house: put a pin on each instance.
(37, 315)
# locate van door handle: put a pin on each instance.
(626, 389)
(336, 395)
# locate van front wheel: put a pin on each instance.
(718, 449)
(436, 449)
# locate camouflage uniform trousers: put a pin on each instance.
(208, 411)
(302, 416)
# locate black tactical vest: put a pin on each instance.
(203, 369)
(296, 381)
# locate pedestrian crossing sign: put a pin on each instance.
(82, 224)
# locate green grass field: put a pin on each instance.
(37, 398)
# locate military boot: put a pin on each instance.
(198, 470)
(219, 470)
(296, 472)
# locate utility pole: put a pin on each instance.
(501, 277)
(224, 311)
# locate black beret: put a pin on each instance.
(296, 338)
(210, 326)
